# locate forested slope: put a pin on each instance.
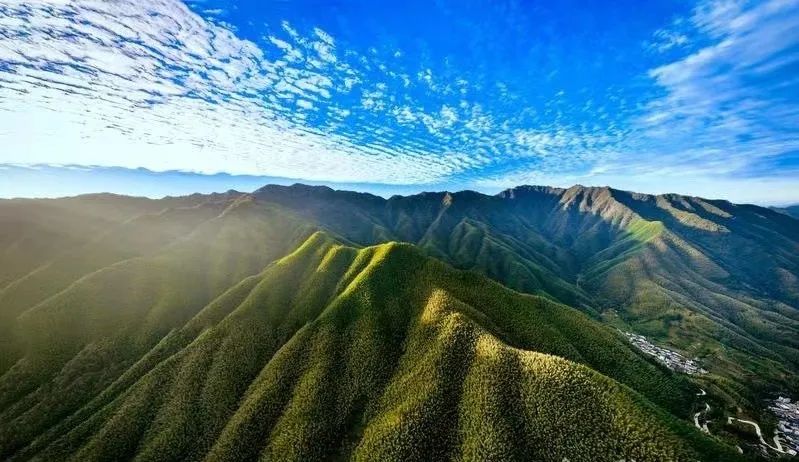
(369, 354)
(715, 280)
(228, 326)
(792, 210)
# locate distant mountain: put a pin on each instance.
(792, 210)
(303, 323)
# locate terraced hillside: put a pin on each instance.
(290, 324)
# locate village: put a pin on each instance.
(788, 425)
(786, 435)
(669, 358)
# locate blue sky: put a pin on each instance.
(158, 97)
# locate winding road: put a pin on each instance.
(778, 447)
(703, 426)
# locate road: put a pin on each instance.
(702, 427)
(778, 447)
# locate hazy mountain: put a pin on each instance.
(792, 210)
(290, 324)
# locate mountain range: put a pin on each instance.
(305, 323)
(792, 210)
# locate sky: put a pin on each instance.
(158, 97)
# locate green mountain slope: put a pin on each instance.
(120, 311)
(33, 232)
(466, 229)
(712, 279)
(378, 353)
(140, 235)
(226, 326)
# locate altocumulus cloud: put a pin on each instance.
(722, 115)
(151, 84)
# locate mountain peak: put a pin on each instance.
(524, 190)
(447, 200)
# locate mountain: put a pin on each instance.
(791, 210)
(716, 280)
(303, 323)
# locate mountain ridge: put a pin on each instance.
(601, 240)
(790, 210)
(126, 291)
(335, 279)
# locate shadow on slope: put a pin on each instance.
(371, 354)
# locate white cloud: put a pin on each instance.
(448, 115)
(324, 36)
(665, 40)
(159, 87)
(120, 84)
(426, 76)
(292, 54)
(724, 108)
(193, 97)
(404, 115)
(290, 30)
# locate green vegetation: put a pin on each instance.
(302, 323)
(333, 352)
(712, 279)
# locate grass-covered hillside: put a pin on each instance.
(331, 352)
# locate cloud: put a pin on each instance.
(724, 120)
(149, 83)
(305, 104)
(730, 104)
(666, 39)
